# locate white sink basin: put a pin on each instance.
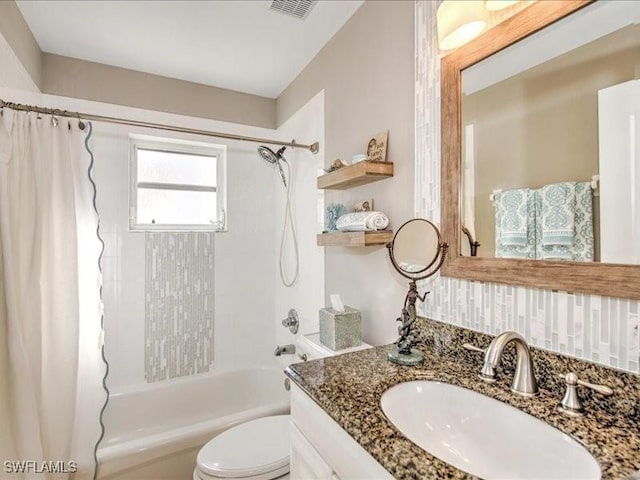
(483, 436)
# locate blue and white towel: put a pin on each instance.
(557, 217)
(582, 239)
(513, 216)
(515, 224)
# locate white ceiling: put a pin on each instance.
(236, 44)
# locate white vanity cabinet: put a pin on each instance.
(322, 450)
(306, 462)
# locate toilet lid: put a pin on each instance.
(252, 448)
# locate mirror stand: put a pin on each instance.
(416, 252)
(404, 353)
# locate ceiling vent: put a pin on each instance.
(294, 8)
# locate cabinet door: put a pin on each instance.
(619, 148)
(306, 462)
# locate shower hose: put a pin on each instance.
(288, 223)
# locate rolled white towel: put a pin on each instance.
(362, 222)
(408, 267)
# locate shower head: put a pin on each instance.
(267, 154)
(274, 158)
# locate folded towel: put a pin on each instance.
(581, 247)
(584, 239)
(408, 267)
(505, 247)
(362, 221)
(513, 216)
(558, 202)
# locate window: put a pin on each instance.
(176, 185)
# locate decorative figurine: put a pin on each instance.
(333, 212)
(337, 164)
(407, 340)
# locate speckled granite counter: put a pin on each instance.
(349, 387)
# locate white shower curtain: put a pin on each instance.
(50, 309)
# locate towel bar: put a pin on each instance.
(492, 195)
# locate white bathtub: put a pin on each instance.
(155, 431)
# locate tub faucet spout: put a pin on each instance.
(289, 349)
(524, 379)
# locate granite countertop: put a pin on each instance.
(349, 387)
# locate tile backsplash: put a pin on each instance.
(600, 329)
(179, 304)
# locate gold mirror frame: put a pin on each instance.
(595, 278)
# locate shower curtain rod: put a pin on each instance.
(54, 112)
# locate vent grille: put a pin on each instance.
(295, 8)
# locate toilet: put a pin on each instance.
(257, 449)
(254, 450)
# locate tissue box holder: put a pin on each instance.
(340, 330)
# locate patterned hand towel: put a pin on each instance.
(513, 216)
(584, 241)
(508, 249)
(581, 249)
(558, 213)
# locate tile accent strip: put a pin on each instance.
(179, 304)
(600, 329)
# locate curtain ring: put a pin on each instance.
(54, 120)
(80, 122)
(65, 114)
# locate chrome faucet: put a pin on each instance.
(289, 349)
(524, 380)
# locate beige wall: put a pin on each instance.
(535, 129)
(70, 77)
(19, 37)
(366, 71)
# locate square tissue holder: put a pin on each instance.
(340, 330)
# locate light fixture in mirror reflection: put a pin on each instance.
(416, 252)
(541, 120)
(459, 21)
(495, 5)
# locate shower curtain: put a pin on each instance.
(51, 368)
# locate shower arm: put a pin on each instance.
(54, 112)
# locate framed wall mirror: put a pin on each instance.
(541, 150)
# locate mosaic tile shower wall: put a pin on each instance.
(179, 304)
(600, 329)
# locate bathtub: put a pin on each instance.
(155, 431)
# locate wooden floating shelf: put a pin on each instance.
(357, 174)
(355, 239)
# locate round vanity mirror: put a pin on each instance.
(416, 252)
(415, 248)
